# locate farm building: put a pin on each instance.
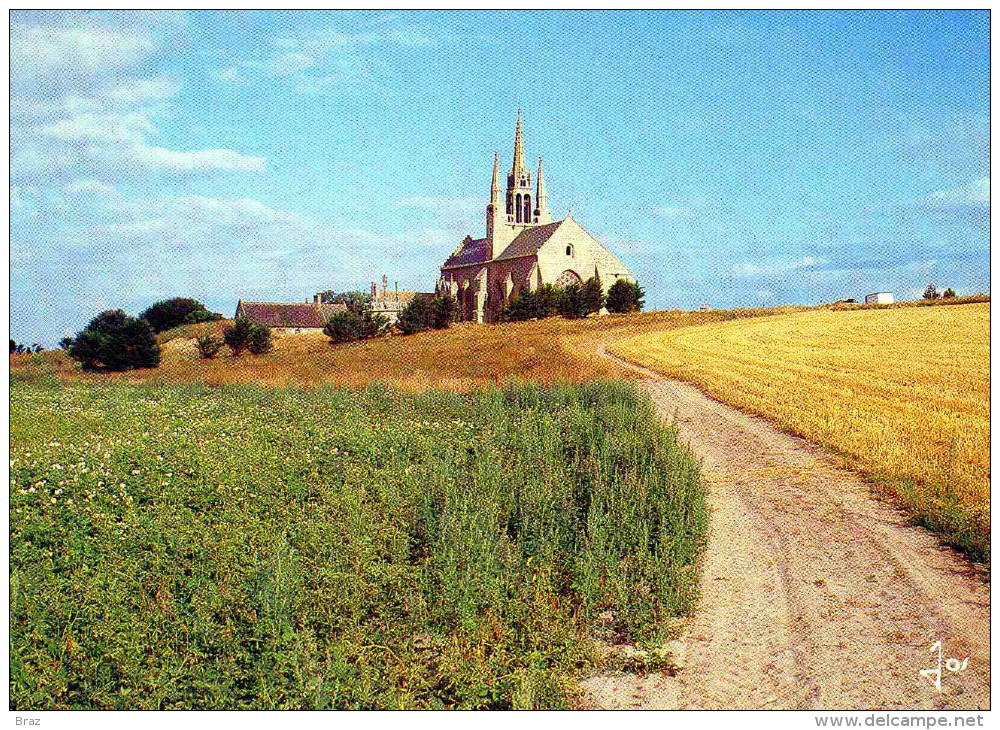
(289, 318)
(881, 297)
(523, 247)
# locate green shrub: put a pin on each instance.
(208, 346)
(949, 293)
(237, 335)
(354, 325)
(416, 316)
(624, 297)
(445, 311)
(260, 341)
(170, 313)
(115, 341)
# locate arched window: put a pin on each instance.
(519, 207)
(510, 204)
(527, 209)
(569, 250)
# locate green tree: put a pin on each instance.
(445, 309)
(261, 340)
(170, 313)
(625, 296)
(416, 316)
(949, 293)
(356, 301)
(352, 325)
(65, 343)
(931, 292)
(591, 296)
(115, 341)
(237, 335)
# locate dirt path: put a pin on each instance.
(814, 595)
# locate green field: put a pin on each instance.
(245, 547)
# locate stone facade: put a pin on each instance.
(523, 247)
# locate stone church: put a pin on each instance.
(523, 247)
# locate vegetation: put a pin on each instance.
(208, 346)
(238, 334)
(354, 325)
(19, 348)
(949, 293)
(115, 341)
(903, 391)
(424, 313)
(261, 340)
(245, 547)
(463, 357)
(65, 343)
(356, 301)
(527, 305)
(931, 292)
(625, 297)
(171, 313)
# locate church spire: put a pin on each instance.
(518, 168)
(542, 214)
(495, 189)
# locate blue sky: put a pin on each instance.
(735, 158)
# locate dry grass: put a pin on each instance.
(904, 391)
(461, 358)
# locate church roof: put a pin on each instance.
(278, 314)
(529, 241)
(472, 251)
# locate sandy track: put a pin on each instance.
(814, 595)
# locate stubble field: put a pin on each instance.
(904, 392)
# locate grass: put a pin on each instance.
(461, 358)
(903, 391)
(250, 547)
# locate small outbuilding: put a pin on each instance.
(290, 318)
(880, 297)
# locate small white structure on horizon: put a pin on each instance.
(879, 297)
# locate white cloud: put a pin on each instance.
(127, 128)
(90, 186)
(227, 75)
(288, 63)
(195, 161)
(974, 195)
(143, 91)
(45, 52)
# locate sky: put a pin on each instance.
(728, 158)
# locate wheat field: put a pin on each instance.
(903, 392)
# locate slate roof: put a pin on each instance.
(278, 314)
(472, 251)
(477, 250)
(529, 241)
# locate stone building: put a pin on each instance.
(390, 302)
(523, 247)
(289, 318)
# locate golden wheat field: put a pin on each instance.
(904, 392)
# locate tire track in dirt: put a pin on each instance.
(814, 595)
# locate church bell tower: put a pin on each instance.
(523, 205)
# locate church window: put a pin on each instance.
(527, 209)
(569, 250)
(510, 204)
(518, 207)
